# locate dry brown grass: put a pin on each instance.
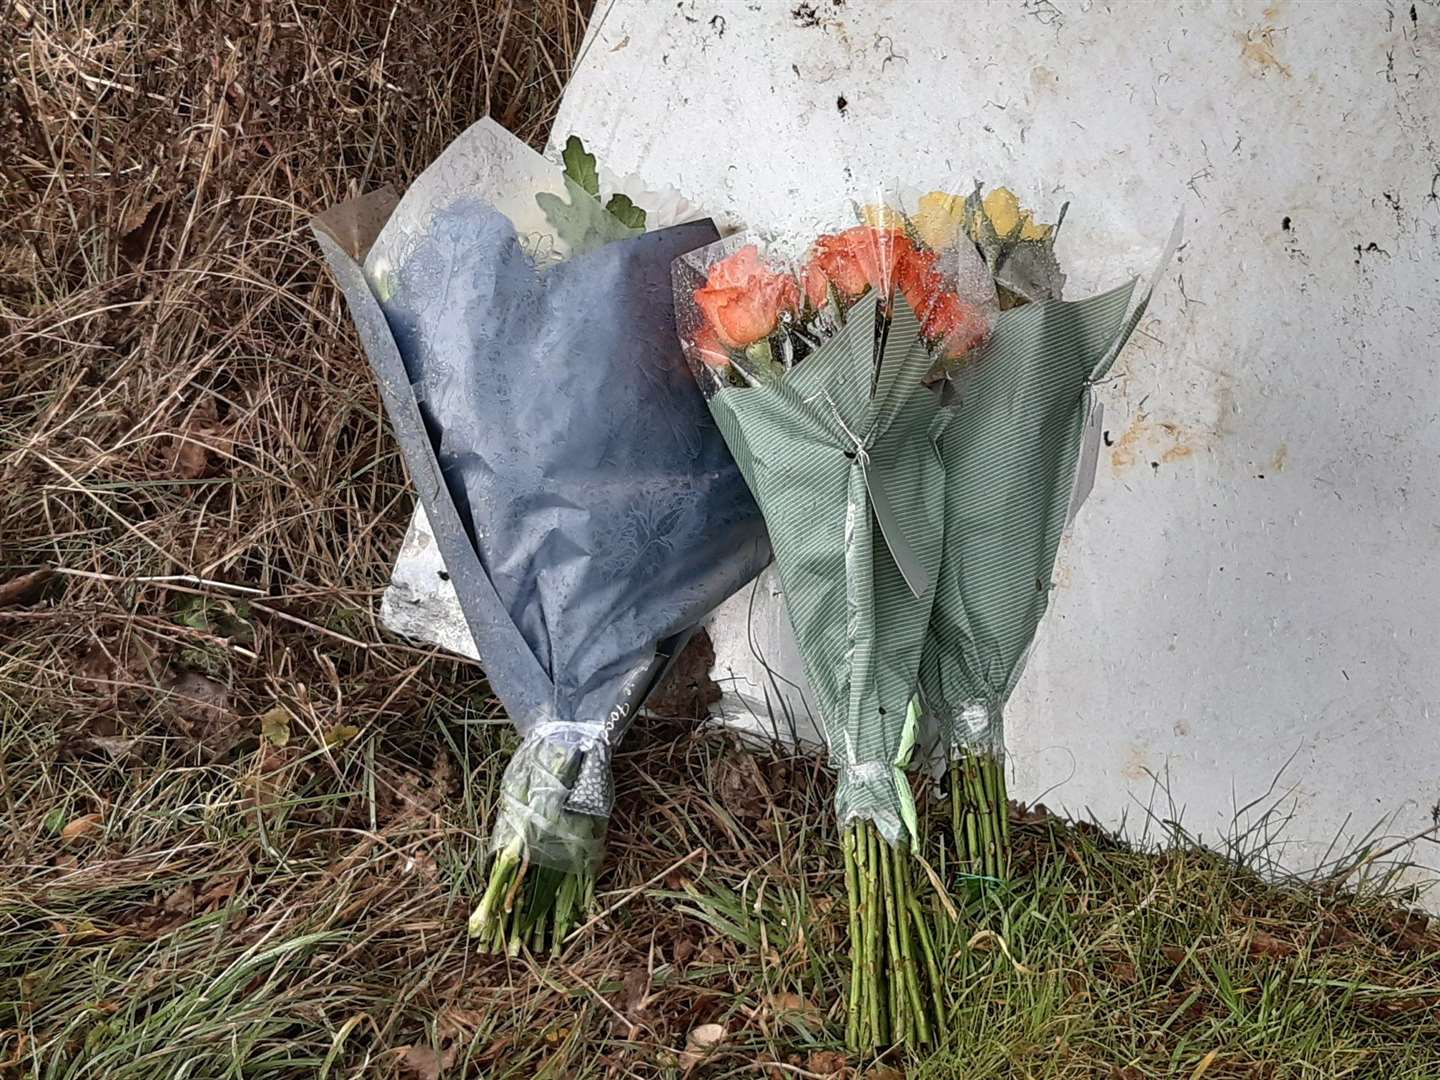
(199, 502)
(183, 393)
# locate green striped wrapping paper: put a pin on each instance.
(823, 454)
(1010, 455)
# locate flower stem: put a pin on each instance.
(857, 941)
(932, 967)
(502, 875)
(895, 973)
(873, 942)
(909, 969)
(979, 813)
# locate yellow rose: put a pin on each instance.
(1009, 220)
(938, 218)
(882, 217)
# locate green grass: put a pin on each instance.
(180, 897)
(298, 912)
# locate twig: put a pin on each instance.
(630, 1024)
(183, 583)
(172, 580)
(635, 892)
(795, 1069)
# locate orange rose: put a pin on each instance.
(817, 285)
(708, 349)
(918, 279)
(743, 298)
(959, 325)
(857, 259)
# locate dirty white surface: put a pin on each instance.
(1253, 587)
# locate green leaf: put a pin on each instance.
(223, 618)
(55, 820)
(192, 614)
(275, 726)
(581, 224)
(580, 166)
(625, 211)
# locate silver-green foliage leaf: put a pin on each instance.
(580, 166)
(625, 211)
(582, 224)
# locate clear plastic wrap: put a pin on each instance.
(1011, 454)
(587, 509)
(824, 360)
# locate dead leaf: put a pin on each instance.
(341, 734)
(205, 699)
(201, 707)
(138, 659)
(24, 588)
(424, 1063)
(138, 225)
(742, 787)
(1024, 814)
(1122, 972)
(135, 216)
(699, 1044)
(118, 747)
(634, 1000)
(407, 795)
(219, 889)
(1174, 954)
(1124, 1072)
(1336, 935)
(795, 1009)
(706, 1037)
(1205, 1063)
(201, 435)
(688, 690)
(681, 951)
(84, 827)
(192, 458)
(1410, 931)
(95, 666)
(984, 940)
(80, 929)
(182, 900)
(1261, 943)
(828, 1063)
(275, 726)
(442, 774)
(885, 1072)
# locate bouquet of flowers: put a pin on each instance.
(901, 400)
(821, 375)
(586, 507)
(1011, 453)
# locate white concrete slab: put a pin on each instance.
(1253, 585)
(1256, 577)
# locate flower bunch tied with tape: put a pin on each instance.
(520, 325)
(872, 383)
(821, 372)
